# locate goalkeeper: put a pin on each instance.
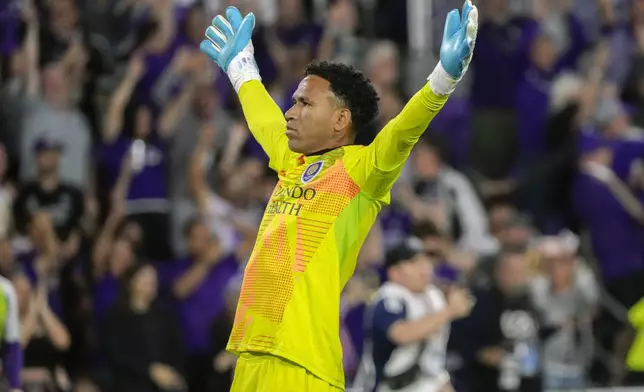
(286, 329)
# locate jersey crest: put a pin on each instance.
(311, 171)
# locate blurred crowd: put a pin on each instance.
(131, 189)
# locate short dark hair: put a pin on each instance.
(352, 87)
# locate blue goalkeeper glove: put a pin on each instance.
(229, 45)
(457, 48)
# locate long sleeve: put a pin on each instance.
(266, 122)
(122, 357)
(377, 166)
(394, 143)
(12, 352)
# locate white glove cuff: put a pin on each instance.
(441, 82)
(243, 68)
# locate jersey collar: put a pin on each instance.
(303, 158)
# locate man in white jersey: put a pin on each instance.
(408, 326)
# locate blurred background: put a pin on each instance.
(131, 189)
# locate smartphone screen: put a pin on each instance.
(137, 151)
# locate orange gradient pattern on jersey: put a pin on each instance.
(270, 275)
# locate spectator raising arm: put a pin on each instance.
(44, 232)
(102, 246)
(175, 109)
(203, 195)
(114, 117)
(163, 13)
(54, 328)
(32, 49)
(196, 174)
(593, 83)
(105, 240)
(230, 159)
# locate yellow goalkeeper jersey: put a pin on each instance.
(313, 227)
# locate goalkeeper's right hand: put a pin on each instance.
(229, 45)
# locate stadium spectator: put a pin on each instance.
(502, 45)
(566, 296)
(21, 86)
(229, 211)
(341, 41)
(112, 255)
(497, 346)
(454, 265)
(55, 117)
(44, 338)
(143, 343)
(63, 201)
(105, 87)
(198, 282)
(223, 362)
(41, 261)
(146, 149)
(408, 325)
(439, 193)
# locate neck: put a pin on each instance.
(321, 152)
(329, 148)
(48, 181)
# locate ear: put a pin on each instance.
(342, 120)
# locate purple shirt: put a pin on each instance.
(617, 239)
(155, 65)
(198, 311)
(396, 225)
(626, 153)
(501, 57)
(452, 123)
(104, 295)
(263, 58)
(351, 337)
(9, 26)
(151, 182)
(579, 42)
(532, 105)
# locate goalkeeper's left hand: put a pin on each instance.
(229, 45)
(457, 48)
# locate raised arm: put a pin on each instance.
(113, 121)
(385, 156)
(229, 45)
(394, 142)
